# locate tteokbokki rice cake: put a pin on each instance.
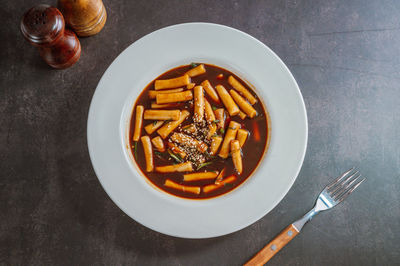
(198, 131)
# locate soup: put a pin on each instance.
(198, 131)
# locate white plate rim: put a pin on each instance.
(175, 231)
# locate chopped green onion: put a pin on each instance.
(214, 108)
(194, 65)
(221, 130)
(155, 122)
(203, 164)
(176, 157)
(216, 121)
(161, 155)
(158, 154)
(135, 149)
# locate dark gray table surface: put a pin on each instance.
(345, 57)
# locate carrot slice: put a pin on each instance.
(256, 131)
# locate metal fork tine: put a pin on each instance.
(344, 188)
(345, 195)
(340, 186)
(334, 182)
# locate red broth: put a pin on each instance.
(252, 150)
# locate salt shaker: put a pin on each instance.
(44, 27)
(85, 17)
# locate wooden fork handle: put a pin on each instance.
(274, 246)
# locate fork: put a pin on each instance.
(332, 195)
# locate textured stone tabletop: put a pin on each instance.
(345, 55)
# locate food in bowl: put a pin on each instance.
(198, 131)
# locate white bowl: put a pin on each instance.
(152, 55)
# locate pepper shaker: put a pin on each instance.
(85, 17)
(44, 27)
